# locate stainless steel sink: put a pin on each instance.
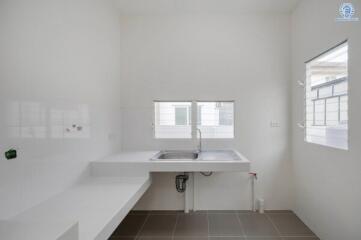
(204, 156)
(169, 155)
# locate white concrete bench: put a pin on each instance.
(89, 210)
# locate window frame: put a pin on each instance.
(193, 119)
(339, 96)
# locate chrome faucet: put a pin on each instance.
(200, 140)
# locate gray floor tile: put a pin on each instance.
(263, 238)
(165, 212)
(194, 212)
(221, 211)
(257, 225)
(224, 225)
(159, 226)
(226, 238)
(138, 212)
(191, 238)
(246, 212)
(212, 225)
(154, 238)
(194, 225)
(130, 226)
(121, 238)
(300, 238)
(278, 211)
(290, 225)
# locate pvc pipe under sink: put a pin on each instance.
(189, 200)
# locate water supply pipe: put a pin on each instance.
(253, 177)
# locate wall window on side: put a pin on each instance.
(326, 98)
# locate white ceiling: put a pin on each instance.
(205, 6)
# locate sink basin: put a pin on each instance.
(179, 155)
(220, 155)
(204, 156)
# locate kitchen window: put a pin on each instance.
(173, 120)
(327, 98)
(182, 115)
(216, 119)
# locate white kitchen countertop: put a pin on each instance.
(140, 161)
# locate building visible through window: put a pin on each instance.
(181, 115)
(327, 98)
(216, 119)
(174, 119)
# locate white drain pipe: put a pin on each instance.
(253, 177)
(189, 195)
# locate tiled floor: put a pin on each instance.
(212, 225)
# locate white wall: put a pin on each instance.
(327, 180)
(212, 57)
(59, 65)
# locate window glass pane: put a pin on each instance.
(325, 92)
(172, 120)
(320, 112)
(312, 94)
(332, 111)
(181, 115)
(199, 115)
(343, 110)
(216, 119)
(226, 114)
(340, 88)
(326, 98)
